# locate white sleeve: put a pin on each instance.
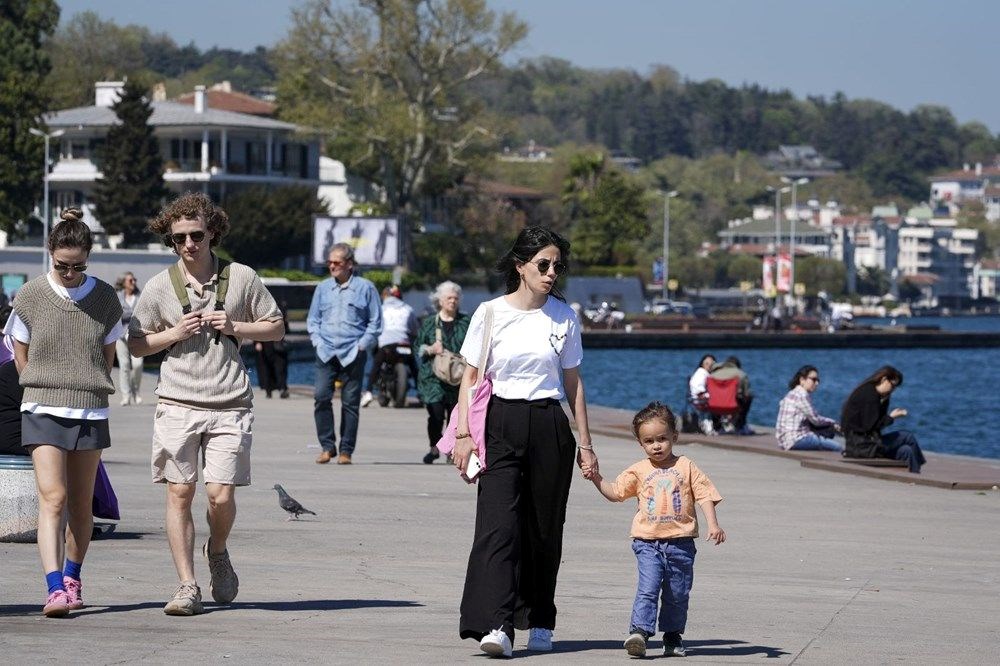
(117, 332)
(17, 329)
(572, 355)
(472, 346)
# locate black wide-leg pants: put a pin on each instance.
(520, 511)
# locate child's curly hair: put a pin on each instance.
(654, 411)
(191, 206)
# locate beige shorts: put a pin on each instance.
(222, 438)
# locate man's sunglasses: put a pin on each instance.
(545, 264)
(337, 262)
(180, 239)
(66, 268)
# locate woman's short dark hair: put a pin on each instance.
(71, 232)
(530, 242)
(191, 206)
(800, 373)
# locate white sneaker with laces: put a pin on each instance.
(497, 644)
(540, 640)
(366, 398)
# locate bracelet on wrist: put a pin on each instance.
(585, 448)
(462, 435)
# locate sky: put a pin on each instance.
(902, 52)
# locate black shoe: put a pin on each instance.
(268, 395)
(673, 646)
(284, 393)
(431, 457)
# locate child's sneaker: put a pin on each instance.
(497, 644)
(635, 644)
(56, 605)
(673, 646)
(74, 592)
(540, 640)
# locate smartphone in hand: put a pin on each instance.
(473, 468)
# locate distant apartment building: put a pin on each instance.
(800, 161)
(975, 183)
(205, 149)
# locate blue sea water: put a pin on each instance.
(950, 393)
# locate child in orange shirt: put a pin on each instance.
(664, 528)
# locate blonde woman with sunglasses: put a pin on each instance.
(64, 413)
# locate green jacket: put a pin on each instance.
(430, 388)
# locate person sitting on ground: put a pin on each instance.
(399, 327)
(729, 369)
(800, 427)
(698, 398)
(666, 487)
(866, 413)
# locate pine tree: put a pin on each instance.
(131, 189)
(24, 27)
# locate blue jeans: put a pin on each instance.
(666, 571)
(350, 397)
(902, 445)
(814, 442)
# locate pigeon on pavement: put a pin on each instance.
(289, 504)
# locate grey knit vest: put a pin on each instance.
(66, 366)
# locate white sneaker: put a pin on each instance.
(497, 644)
(366, 398)
(138, 399)
(540, 640)
(125, 400)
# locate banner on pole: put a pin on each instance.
(784, 273)
(767, 279)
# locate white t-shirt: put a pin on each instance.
(529, 348)
(17, 329)
(698, 383)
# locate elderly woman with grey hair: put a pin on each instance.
(129, 367)
(444, 331)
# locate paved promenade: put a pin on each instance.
(819, 567)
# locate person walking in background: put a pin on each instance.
(866, 413)
(344, 322)
(666, 488)
(442, 332)
(800, 427)
(272, 361)
(533, 362)
(198, 311)
(399, 328)
(129, 367)
(65, 325)
(729, 369)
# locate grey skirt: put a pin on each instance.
(68, 434)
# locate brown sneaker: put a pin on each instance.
(186, 601)
(324, 458)
(344, 459)
(225, 584)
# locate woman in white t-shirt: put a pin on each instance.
(533, 363)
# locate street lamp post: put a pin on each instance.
(778, 191)
(795, 214)
(45, 201)
(666, 241)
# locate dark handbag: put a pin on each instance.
(864, 445)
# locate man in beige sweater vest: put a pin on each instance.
(205, 400)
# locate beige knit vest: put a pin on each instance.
(66, 366)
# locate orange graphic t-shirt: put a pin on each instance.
(666, 496)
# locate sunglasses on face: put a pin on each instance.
(66, 268)
(544, 265)
(336, 263)
(180, 239)
(815, 379)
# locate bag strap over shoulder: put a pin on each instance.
(437, 328)
(180, 290)
(484, 351)
(221, 290)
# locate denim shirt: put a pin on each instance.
(344, 318)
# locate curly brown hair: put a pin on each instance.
(654, 411)
(191, 206)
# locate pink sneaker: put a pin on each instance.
(74, 592)
(57, 605)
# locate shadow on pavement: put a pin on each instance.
(281, 606)
(718, 648)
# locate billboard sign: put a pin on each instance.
(375, 240)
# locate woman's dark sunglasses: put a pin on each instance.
(66, 268)
(545, 264)
(179, 239)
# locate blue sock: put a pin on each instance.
(72, 569)
(54, 580)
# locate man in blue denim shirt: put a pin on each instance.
(345, 319)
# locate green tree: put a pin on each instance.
(873, 281)
(24, 27)
(270, 224)
(694, 272)
(743, 268)
(389, 80)
(607, 211)
(130, 190)
(819, 274)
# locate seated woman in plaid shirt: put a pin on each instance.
(800, 427)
